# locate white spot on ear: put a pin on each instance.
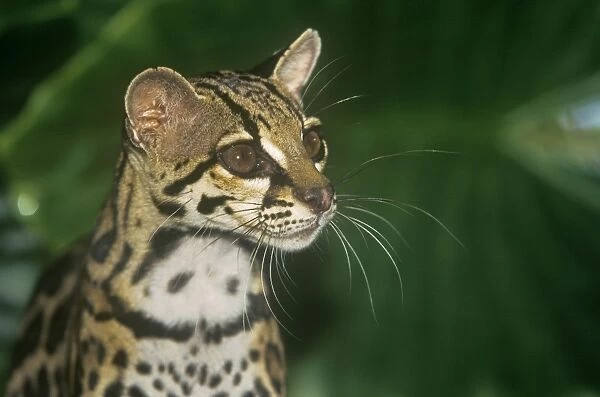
(274, 152)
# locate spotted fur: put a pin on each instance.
(167, 297)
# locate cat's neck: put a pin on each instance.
(179, 293)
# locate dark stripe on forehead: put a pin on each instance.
(249, 125)
(176, 187)
(293, 107)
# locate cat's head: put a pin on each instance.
(234, 151)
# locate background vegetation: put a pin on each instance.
(514, 314)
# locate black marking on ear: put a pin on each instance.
(178, 282)
(162, 244)
(144, 327)
(176, 187)
(266, 68)
(207, 205)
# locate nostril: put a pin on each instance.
(317, 198)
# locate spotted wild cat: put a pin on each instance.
(168, 296)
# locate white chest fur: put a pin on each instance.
(201, 280)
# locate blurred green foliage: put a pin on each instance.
(513, 314)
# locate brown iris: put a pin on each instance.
(240, 158)
(312, 144)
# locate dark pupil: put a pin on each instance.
(241, 158)
(312, 143)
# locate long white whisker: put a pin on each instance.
(272, 286)
(167, 219)
(366, 164)
(338, 102)
(317, 75)
(365, 227)
(333, 227)
(338, 74)
(381, 218)
(362, 268)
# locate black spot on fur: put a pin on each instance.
(92, 380)
(203, 374)
(260, 388)
(179, 281)
(29, 341)
(248, 394)
(186, 389)
(169, 207)
(221, 394)
(228, 366)
(207, 205)
(119, 266)
(214, 381)
(143, 368)
(120, 359)
(101, 247)
(115, 389)
(162, 244)
(157, 384)
(100, 353)
(232, 285)
(135, 391)
(190, 370)
(237, 378)
(43, 386)
(28, 389)
(58, 324)
(254, 355)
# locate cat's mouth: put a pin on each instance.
(297, 237)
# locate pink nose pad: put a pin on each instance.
(318, 199)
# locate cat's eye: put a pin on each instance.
(312, 143)
(240, 158)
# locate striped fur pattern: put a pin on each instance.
(168, 297)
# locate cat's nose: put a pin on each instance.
(318, 199)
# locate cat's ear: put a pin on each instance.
(158, 102)
(293, 66)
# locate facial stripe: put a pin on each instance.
(177, 187)
(274, 152)
(207, 205)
